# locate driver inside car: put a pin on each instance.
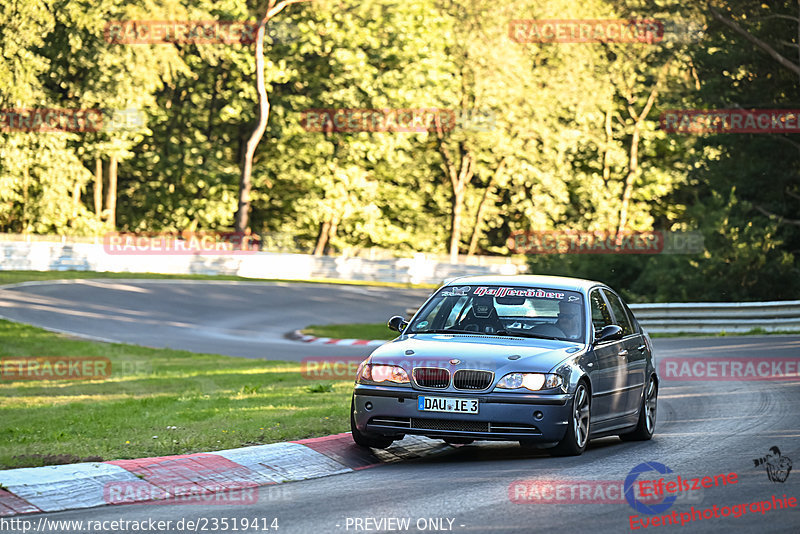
(569, 322)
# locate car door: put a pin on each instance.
(633, 351)
(609, 385)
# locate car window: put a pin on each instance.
(619, 313)
(530, 311)
(457, 312)
(600, 315)
(637, 328)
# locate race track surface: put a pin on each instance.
(705, 428)
(246, 319)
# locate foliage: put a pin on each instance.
(574, 141)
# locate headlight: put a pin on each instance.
(371, 372)
(530, 381)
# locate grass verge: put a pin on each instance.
(351, 331)
(156, 402)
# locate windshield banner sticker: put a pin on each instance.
(521, 292)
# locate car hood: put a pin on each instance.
(475, 352)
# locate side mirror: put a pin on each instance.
(398, 324)
(610, 332)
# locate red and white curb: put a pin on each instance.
(297, 335)
(170, 479)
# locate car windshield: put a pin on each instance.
(504, 311)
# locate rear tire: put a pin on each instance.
(366, 440)
(646, 425)
(577, 436)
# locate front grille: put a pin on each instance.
(449, 424)
(472, 380)
(402, 422)
(416, 423)
(513, 428)
(432, 377)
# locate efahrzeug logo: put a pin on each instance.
(630, 495)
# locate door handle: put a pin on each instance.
(623, 353)
(641, 348)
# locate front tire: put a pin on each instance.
(366, 440)
(577, 436)
(646, 425)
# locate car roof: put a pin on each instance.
(528, 280)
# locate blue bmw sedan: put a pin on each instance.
(550, 362)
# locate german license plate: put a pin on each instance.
(447, 404)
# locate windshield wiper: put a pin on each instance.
(442, 331)
(499, 333)
(527, 334)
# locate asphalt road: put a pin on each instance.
(703, 429)
(246, 319)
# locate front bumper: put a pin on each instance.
(501, 416)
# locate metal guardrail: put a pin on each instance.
(716, 317)
(713, 317)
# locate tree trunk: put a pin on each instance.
(76, 198)
(98, 187)
(334, 226)
(633, 156)
(607, 151)
(322, 240)
(455, 223)
(473, 240)
(245, 179)
(459, 178)
(111, 196)
(476, 228)
(633, 169)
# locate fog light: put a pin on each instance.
(538, 415)
(368, 406)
